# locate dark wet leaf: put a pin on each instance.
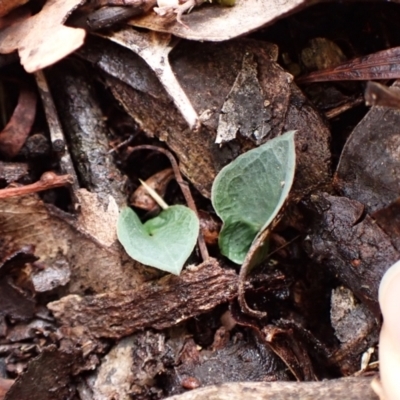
(369, 169)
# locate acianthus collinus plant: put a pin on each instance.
(247, 195)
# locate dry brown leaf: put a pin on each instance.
(41, 40)
(217, 23)
(7, 5)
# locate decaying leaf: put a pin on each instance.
(42, 39)
(369, 169)
(236, 115)
(217, 23)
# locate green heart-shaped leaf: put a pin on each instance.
(164, 242)
(248, 193)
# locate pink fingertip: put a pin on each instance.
(391, 277)
(389, 297)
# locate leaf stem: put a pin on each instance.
(184, 187)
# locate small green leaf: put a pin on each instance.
(248, 193)
(164, 242)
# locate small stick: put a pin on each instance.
(56, 133)
(156, 197)
(124, 143)
(184, 187)
(49, 180)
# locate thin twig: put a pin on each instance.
(124, 143)
(282, 247)
(185, 190)
(49, 180)
(56, 133)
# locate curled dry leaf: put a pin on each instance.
(13, 136)
(217, 23)
(41, 40)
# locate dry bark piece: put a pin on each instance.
(218, 23)
(337, 389)
(59, 238)
(207, 79)
(372, 175)
(47, 377)
(157, 305)
(86, 131)
(14, 134)
(52, 276)
(353, 247)
(38, 38)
